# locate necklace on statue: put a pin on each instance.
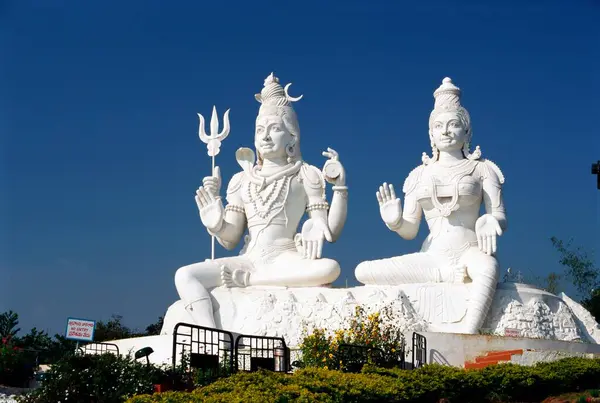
(264, 200)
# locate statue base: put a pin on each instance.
(517, 310)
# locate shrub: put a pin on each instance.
(431, 383)
(16, 364)
(377, 330)
(105, 378)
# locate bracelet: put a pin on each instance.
(317, 206)
(340, 188)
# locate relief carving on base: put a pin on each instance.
(286, 314)
(419, 307)
(540, 318)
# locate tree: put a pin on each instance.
(112, 329)
(580, 268)
(8, 324)
(552, 283)
(36, 340)
(155, 328)
(60, 347)
(592, 304)
(51, 349)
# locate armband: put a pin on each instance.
(235, 208)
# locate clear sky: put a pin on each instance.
(100, 155)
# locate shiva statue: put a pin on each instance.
(448, 188)
(269, 198)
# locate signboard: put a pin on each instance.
(509, 332)
(80, 329)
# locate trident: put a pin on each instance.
(213, 144)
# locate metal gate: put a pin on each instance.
(419, 350)
(99, 348)
(202, 353)
(255, 352)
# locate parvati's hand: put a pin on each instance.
(390, 207)
(487, 229)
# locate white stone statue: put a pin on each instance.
(268, 197)
(450, 286)
(449, 189)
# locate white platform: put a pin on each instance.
(431, 308)
(435, 307)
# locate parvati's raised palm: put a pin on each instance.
(390, 206)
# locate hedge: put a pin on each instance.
(103, 378)
(503, 382)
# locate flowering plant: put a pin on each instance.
(377, 333)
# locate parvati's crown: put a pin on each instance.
(273, 94)
(447, 96)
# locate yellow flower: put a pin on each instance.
(330, 355)
(324, 359)
(326, 367)
(393, 350)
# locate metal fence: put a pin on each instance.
(419, 350)
(98, 348)
(255, 352)
(202, 352)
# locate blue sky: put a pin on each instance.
(100, 154)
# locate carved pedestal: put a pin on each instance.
(287, 312)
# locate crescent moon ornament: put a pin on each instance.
(287, 95)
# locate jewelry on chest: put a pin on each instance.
(449, 184)
(266, 199)
(449, 189)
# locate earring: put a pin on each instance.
(434, 151)
(290, 153)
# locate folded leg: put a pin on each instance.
(290, 269)
(412, 268)
(484, 272)
(193, 283)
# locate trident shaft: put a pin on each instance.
(213, 145)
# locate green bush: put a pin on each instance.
(503, 382)
(105, 378)
(16, 364)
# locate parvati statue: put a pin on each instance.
(448, 188)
